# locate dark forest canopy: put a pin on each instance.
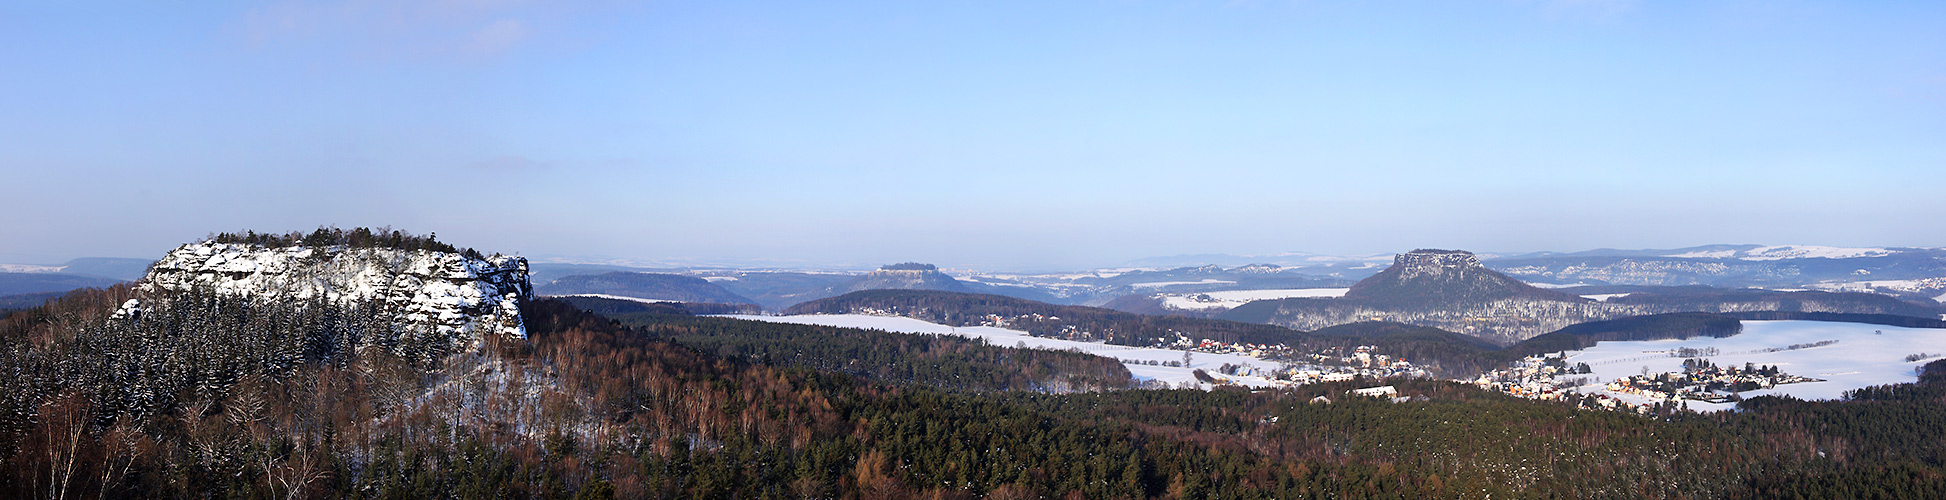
(1652, 327)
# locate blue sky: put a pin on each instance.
(986, 134)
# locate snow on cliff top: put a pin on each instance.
(447, 292)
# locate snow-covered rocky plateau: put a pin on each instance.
(462, 298)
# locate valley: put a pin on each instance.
(378, 364)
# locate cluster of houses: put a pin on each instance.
(1261, 351)
(1550, 378)
(1533, 377)
(1340, 367)
(1702, 380)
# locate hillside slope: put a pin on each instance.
(1040, 318)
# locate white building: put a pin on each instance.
(1380, 391)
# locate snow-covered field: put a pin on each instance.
(1231, 299)
(1604, 296)
(1865, 355)
(1014, 338)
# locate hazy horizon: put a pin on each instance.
(996, 135)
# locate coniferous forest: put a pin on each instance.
(205, 397)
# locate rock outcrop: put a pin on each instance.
(1437, 279)
(907, 276)
(463, 298)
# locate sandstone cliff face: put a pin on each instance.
(891, 278)
(463, 299)
(1435, 263)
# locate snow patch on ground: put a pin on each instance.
(1180, 376)
(1604, 296)
(1861, 357)
(1233, 298)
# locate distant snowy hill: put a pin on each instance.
(1455, 291)
(1783, 266)
(651, 286)
(87, 272)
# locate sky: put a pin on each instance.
(975, 134)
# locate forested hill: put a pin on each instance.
(939, 361)
(1041, 318)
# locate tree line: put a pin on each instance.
(362, 237)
